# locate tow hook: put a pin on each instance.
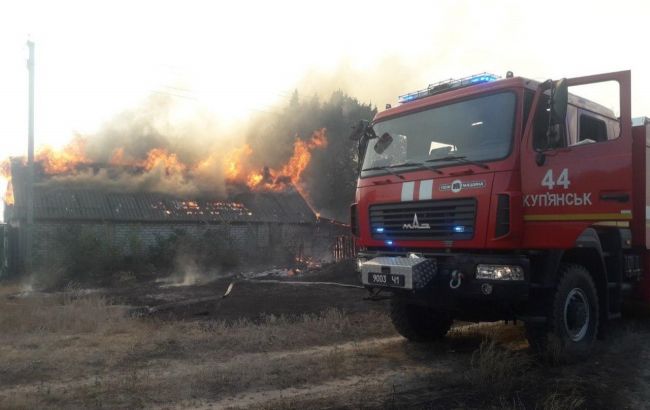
(456, 279)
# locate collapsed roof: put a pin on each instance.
(54, 202)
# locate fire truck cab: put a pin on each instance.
(485, 199)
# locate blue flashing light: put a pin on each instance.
(448, 85)
(483, 79)
(411, 97)
(379, 230)
(459, 229)
(389, 243)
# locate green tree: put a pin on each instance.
(331, 176)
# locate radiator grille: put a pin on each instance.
(448, 219)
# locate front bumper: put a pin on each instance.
(444, 277)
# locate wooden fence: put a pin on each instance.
(343, 248)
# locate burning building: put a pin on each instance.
(262, 212)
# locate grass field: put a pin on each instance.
(76, 349)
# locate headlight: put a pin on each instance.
(360, 262)
(500, 272)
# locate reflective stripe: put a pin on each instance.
(618, 224)
(407, 191)
(578, 217)
(426, 189)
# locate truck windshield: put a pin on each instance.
(477, 130)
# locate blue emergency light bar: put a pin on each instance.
(448, 85)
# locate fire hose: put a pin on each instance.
(295, 282)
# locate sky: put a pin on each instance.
(233, 59)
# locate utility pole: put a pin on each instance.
(30, 165)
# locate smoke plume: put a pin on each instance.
(151, 149)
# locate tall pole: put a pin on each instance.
(30, 164)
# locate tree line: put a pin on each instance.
(331, 176)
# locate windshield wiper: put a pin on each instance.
(459, 158)
(418, 164)
(387, 169)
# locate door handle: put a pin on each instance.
(615, 196)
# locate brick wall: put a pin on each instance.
(138, 238)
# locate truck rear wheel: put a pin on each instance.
(418, 323)
(573, 317)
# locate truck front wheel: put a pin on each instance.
(573, 316)
(418, 323)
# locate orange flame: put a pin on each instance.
(276, 180)
(161, 159)
(302, 156)
(52, 162)
(235, 161)
(5, 169)
(65, 160)
(5, 174)
(9, 194)
(157, 158)
(118, 157)
(254, 179)
(237, 164)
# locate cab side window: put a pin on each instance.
(583, 125)
(598, 109)
(592, 128)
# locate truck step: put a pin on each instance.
(612, 316)
(541, 286)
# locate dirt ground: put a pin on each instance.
(273, 343)
(334, 286)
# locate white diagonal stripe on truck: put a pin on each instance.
(426, 189)
(407, 191)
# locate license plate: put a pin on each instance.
(386, 279)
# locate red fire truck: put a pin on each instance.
(484, 199)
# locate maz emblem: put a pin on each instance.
(416, 224)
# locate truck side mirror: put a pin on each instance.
(560, 101)
(362, 132)
(558, 104)
(383, 142)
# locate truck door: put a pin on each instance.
(585, 177)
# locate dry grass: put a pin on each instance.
(502, 373)
(76, 350)
(517, 372)
(493, 364)
(70, 312)
(561, 401)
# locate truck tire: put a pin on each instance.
(573, 314)
(418, 323)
